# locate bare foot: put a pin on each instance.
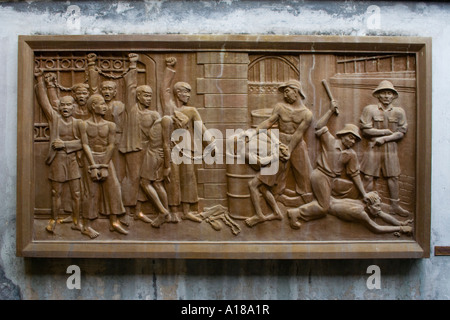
(293, 219)
(173, 217)
(159, 220)
(274, 216)
(142, 217)
(115, 226)
(125, 219)
(77, 226)
(252, 221)
(192, 216)
(91, 233)
(406, 229)
(67, 219)
(51, 226)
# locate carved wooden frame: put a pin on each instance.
(417, 247)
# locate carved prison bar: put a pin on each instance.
(224, 147)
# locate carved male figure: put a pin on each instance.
(365, 211)
(136, 138)
(62, 159)
(80, 92)
(115, 111)
(262, 183)
(183, 182)
(102, 193)
(337, 173)
(293, 119)
(384, 124)
(156, 166)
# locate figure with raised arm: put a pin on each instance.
(337, 173)
(65, 142)
(182, 188)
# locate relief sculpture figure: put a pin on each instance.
(128, 141)
(337, 174)
(62, 155)
(384, 124)
(139, 118)
(101, 192)
(80, 92)
(182, 188)
(155, 169)
(259, 156)
(364, 211)
(115, 111)
(293, 119)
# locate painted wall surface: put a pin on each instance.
(204, 279)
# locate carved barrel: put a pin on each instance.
(240, 205)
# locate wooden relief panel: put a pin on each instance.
(224, 147)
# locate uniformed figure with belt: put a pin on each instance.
(384, 125)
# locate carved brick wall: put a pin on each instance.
(224, 87)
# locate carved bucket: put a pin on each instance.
(260, 115)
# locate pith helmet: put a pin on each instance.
(385, 85)
(350, 128)
(295, 84)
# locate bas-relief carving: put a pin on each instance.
(108, 131)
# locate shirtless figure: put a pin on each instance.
(364, 212)
(102, 193)
(293, 119)
(115, 111)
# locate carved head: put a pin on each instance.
(144, 95)
(80, 92)
(66, 106)
(289, 88)
(385, 92)
(373, 203)
(182, 91)
(108, 90)
(349, 135)
(97, 105)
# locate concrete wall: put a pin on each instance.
(194, 279)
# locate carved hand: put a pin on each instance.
(284, 153)
(58, 144)
(38, 72)
(406, 229)
(386, 132)
(406, 222)
(166, 173)
(91, 57)
(95, 174)
(50, 79)
(380, 141)
(103, 174)
(171, 61)
(133, 57)
(334, 106)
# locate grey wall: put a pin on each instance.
(199, 279)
